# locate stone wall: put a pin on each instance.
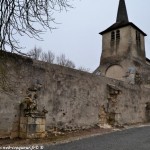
(72, 98)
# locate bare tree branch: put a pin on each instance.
(23, 16)
(35, 53)
(61, 60)
(84, 69)
(48, 57)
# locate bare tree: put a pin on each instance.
(61, 60)
(35, 53)
(70, 64)
(26, 17)
(84, 69)
(48, 57)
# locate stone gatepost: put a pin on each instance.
(32, 127)
(32, 121)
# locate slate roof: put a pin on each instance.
(120, 25)
(122, 15)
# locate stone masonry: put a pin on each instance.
(72, 98)
(32, 127)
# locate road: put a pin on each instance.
(130, 139)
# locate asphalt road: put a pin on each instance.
(130, 139)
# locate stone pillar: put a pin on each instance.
(32, 127)
(32, 120)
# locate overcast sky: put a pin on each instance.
(77, 35)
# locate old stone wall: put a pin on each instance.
(73, 99)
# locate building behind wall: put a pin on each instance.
(123, 50)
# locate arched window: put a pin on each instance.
(118, 35)
(115, 35)
(112, 36)
(138, 39)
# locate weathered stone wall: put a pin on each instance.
(73, 98)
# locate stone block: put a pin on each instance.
(40, 121)
(31, 128)
(23, 128)
(31, 120)
(36, 120)
(40, 128)
(23, 120)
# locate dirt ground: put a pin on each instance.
(57, 137)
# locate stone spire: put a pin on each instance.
(122, 15)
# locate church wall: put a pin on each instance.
(134, 51)
(106, 45)
(110, 49)
(123, 46)
(137, 52)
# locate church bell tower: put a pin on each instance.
(122, 46)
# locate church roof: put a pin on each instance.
(120, 25)
(122, 19)
(122, 15)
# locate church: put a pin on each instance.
(123, 50)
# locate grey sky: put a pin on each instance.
(77, 35)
